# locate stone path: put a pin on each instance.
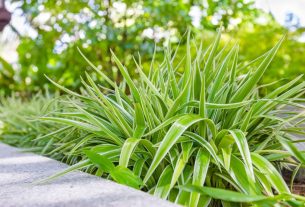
(18, 170)
(301, 146)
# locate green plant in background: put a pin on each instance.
(288, 62)
(18, 119)
(6, 76)
(126, 27)
(132, 27)
(19, 126)
(192, 130)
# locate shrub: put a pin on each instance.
(191, 131)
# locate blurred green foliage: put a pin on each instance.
(98, 26)
(289, 61)
(132, 28)
(6, 76)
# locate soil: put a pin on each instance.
(299, 181)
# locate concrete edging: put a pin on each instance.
(18, 170)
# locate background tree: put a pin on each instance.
(95, 26)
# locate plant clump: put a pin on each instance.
(194, 130)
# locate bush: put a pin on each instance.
(191, 131)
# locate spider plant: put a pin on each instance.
(19, 125)
(17, 120)
(194, 130)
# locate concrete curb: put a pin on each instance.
(18, 170)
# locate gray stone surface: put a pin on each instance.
(18, 170)
(300, 145)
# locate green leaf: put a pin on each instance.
(248, 86)
(202, 164)
(274, 177)
(163, 186)
(290, 147)
(105, 164)
(97, 70)
(125, 176)
(127, 149)
(239, 173)
(128, 79)
(139, 122)
(170, 139)
(181, 162)
(208, 67)
(243, 147)
(225, 195)
(70, 122)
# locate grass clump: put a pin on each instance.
(194, 130)
(20, 126)
(17, 118)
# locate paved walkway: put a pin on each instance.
(301, 145)
(18, 170)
